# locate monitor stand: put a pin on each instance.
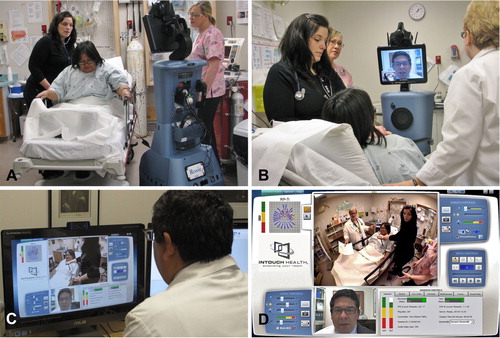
(82, 331)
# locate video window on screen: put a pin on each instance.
(360, 253)
(402, 64)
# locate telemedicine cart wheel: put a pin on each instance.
(402, 118)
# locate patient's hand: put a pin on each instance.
(124, 92)
(48, 94)
(383, 236)
(346, 241)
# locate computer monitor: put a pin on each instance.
(239, 251)
(402, 65)
(41, 268)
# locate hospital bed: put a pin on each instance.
(96, 135)
(362, 267)
(312, 153)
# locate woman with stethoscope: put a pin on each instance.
(299, 84)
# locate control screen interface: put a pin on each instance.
(464, 220)
(72, 273)
(428, 312)
(380, 263)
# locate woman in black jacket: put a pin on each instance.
(299, 84)
(51, 54)
(89, 261)
(405, 239)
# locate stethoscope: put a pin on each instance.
(300, 93)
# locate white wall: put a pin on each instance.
(365, 24)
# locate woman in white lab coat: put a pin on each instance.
(469, 152)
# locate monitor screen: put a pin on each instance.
(402, 65)
(70, 278)
(239, 251)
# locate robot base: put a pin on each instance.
(194, 167)
(409, 114)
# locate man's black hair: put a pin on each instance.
(401, 53)
(344, 293)
(200, 224)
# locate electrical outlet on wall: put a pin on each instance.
(229, 20)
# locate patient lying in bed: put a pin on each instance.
(351, 269)
(393, 158)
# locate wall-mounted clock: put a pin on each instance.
(417, 11)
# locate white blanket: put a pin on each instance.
(64, 273)
(350, 270)
(90, 128)
(314, 152)
(87, 120)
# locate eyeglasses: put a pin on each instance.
(195, 15)
(338, 43)
(463, 34)
(349, 311)
(399, 64)
(150, 235)
(88, 62)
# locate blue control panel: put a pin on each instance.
(37, 303)
(463, 220)
(466, 268)
(119, 272)
(118, 248)
(288, 312)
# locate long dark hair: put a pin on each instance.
(294, 46)
(413, 222)
(354, 106)
(54, 32)
(88, 48)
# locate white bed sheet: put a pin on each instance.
(350, 270)
(97, 131)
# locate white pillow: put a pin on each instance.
(278, 149)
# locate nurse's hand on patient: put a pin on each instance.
(384, 131)
(383, 236)
(406, 275)
(404, 183)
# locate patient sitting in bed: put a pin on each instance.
(88, 75)
(384, 247)
(67, 269)
(393, 158)
(351, 269)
